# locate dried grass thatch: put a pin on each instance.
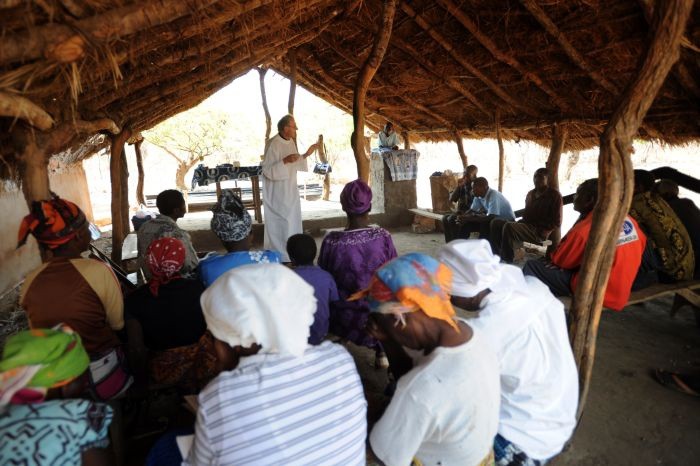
(450, 65)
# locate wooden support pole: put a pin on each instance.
(501, 152)
(369, 68)
(406, 140)
(615, 183)
(292, 80)
(116, 172)
(460, 149)
(140, 198)
(263, 95)
(559, 136)
(18, 107)
(327, 177)
(33, 166)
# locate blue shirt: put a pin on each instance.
(326, 292)
(216, 265)
(494, 203)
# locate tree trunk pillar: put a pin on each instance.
(460, 150)
(34, 169)
(140, 198)
(406, 140)
(327, 177)
(364, 77)
(559, 136)
(116, 173)
(616, 181)
(292, 80)
(263, 96)
(501, 152)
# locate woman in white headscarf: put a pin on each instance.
(277, 399)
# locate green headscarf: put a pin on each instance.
(58, 353)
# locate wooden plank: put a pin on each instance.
(427, 213)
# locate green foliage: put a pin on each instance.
(192, 135)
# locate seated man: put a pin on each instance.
(388, 139)
(525, 324)
(687, 212)
(463, 196)
(669, 237)
(171, 205)
(543, 212)
(561, 274)
(445, 409)
(488, 205)
(277, 399)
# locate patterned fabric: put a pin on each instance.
(216, 264)
(108, 376)
(356, 197)
(53, 222)
(204, 175)
(669, 236)
(165, 227)
(190, 366)
(351, 257)
(53, 432)
(508, 454)
(165, 258)
(411, 283)
(402, 164)
(40, 359)
(231, 221)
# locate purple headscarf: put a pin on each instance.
(356, 197)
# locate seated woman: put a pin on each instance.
(352, 256)
(42, 372)
(170, 316)
(277, 400)
(82, 293)
(233, 225)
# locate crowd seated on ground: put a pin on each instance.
(171, 207)
(180, 351)
(351, 256)
(560, 271)
(670, 240)
(543, 214)
(301, 249)
(80, 292)
(232, 224)
(43, 419)
(525, 325)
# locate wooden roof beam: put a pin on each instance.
(420, 59)
(500, 55)
(442, 41)
(574, 55)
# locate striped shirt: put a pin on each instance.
(274, 410)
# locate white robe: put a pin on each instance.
(388, 140)
(281, 195)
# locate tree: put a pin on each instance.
(189, 137)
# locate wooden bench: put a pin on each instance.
(685, 292)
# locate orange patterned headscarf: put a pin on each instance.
(53, 222)
(412, 282)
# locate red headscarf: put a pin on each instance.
(53, 222)
(165, 258)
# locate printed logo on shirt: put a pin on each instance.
(628, 233)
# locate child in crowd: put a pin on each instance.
(302, 252)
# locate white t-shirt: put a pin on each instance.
(444, 411)
(283, 410)
(539, 382)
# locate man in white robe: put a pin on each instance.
(280, 193)
(388, 139)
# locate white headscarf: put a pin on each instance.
(475, 268)
(267, 304)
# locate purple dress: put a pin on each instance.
(352, 257)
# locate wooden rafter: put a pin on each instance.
(500, 55)
(459, 58)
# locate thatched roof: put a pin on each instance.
(451, 65)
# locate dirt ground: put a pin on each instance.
(629, 419)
